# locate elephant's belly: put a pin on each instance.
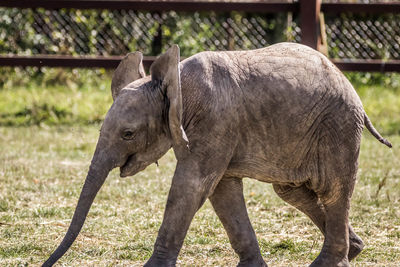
(265, 171)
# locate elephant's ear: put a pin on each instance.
(128, 70)
(165, 71)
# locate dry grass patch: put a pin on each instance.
(42, 171)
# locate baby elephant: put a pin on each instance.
(283, 115)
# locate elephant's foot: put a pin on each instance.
(157, 262)
(255, 262)
(356, 246)
(326, 260)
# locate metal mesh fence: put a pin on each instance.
(103, 32)
(363, 36)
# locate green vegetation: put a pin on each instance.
(380, 94)
(54, 96)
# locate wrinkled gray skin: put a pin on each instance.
(283, 115)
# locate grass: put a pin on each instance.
(42, 171)
(48, 131)
(54, 97)
(55, 105)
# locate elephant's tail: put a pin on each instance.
(374, 132)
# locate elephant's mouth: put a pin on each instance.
(132, 166)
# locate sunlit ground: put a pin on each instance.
(42, 170)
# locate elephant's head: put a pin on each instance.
(141, 125)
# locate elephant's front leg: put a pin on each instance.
(229, 204)
(190, 188)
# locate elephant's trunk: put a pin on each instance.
(96, 176)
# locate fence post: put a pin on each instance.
(309, 22)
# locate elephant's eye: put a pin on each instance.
(127, 135)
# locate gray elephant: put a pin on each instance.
(283, 115)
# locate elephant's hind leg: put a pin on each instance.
(229, 204)
(356, 244)
(338, 150)
(335, 249)
(306, 201)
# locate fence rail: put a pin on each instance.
(175, 5)
(181, 5)
(111, 62)
(373, 8)
(67, 61)
(307, 10)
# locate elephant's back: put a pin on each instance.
(295, 66)
(294, 78)
(291, 81)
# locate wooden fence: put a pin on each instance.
(308, 10)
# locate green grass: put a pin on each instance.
(53, 105)
(42, 171)
(54, 97)
(382, 105)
